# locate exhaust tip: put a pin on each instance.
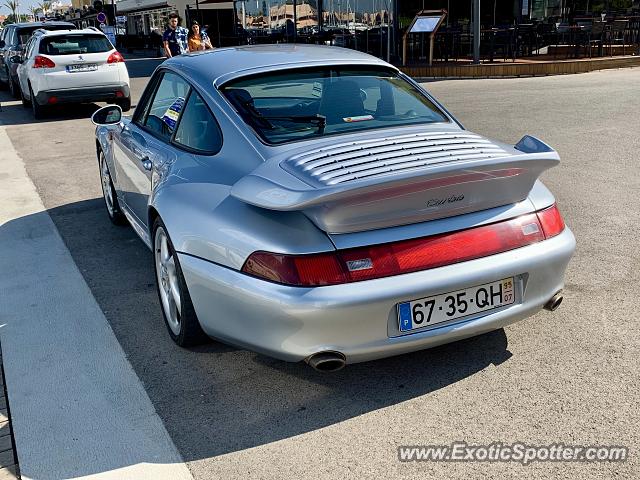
(553, 304)
(328, 361)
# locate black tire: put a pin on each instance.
(190, 332)
(38, 110)
(14, 88)
(3, 84)
(124, 103)
(113, 211)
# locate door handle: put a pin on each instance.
(147, 164)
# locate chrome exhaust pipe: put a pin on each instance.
(555, 302)
(328, 361)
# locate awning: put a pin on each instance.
(126, 6)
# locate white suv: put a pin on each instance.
(72, 66)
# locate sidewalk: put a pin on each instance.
(78, 410)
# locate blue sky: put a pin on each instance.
(23, 7)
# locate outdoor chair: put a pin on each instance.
(618, 35)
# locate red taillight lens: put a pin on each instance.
(406, 256)
(551, 220)
(43, 62)
(115, 57)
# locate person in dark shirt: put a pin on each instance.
(174, 39)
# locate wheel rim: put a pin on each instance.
(167, 277)
(107, 191)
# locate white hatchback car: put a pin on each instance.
(72, 66)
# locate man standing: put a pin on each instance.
(174, 38)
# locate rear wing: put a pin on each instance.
(391, 181)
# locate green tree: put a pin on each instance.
(13, 6)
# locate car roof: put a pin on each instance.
(223, 64)
(53, 33)
(41, 24)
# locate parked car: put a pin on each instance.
(314, 203)
(12, 41)
(72, 66)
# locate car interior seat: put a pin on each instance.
(341, 99)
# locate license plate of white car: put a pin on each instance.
(429, 311)
(89, 67)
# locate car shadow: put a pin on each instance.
(12, 112)
(216, 399)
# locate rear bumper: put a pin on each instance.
(81, 95)
(360, 319)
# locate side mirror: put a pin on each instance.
(16, 59)
(109, 115)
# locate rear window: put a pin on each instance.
(75, 44)
(25, 33)
(305, 103)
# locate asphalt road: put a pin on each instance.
(571, 376)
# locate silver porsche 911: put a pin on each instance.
(314, 203)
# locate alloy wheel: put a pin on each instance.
(168, 284)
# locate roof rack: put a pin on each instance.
(94, 28)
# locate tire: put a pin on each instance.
(175, 302)
(14, 89)
(109, 193)
(3, 84)
(38, 110)
(124, 103)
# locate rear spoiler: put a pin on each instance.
(433, 190)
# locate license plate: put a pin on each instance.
(429, 311)
(89, 67)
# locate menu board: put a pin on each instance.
(425, 24)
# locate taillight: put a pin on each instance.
(115, 57)
(551, 220)
(377, 261)
(43, 62)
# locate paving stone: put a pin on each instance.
(4, 416)
(3, 403)
(8, 473)
(4, 429)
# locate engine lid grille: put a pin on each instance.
(367, 159)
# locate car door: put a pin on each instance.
(24, 67)
(144, 143)
(6, 38)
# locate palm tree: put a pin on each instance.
(13, 6)
(33, 10)
(44, 6)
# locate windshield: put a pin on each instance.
(75, 44)
(301, 104)
(24, 33)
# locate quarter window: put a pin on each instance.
(198, 129)
(168, 102)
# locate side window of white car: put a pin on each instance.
(198, 129)
(29, 49)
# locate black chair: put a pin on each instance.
(618, 35)
(596, 36)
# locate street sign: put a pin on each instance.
(121, 19)
(102, 17)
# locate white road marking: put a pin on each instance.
(78, 409)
